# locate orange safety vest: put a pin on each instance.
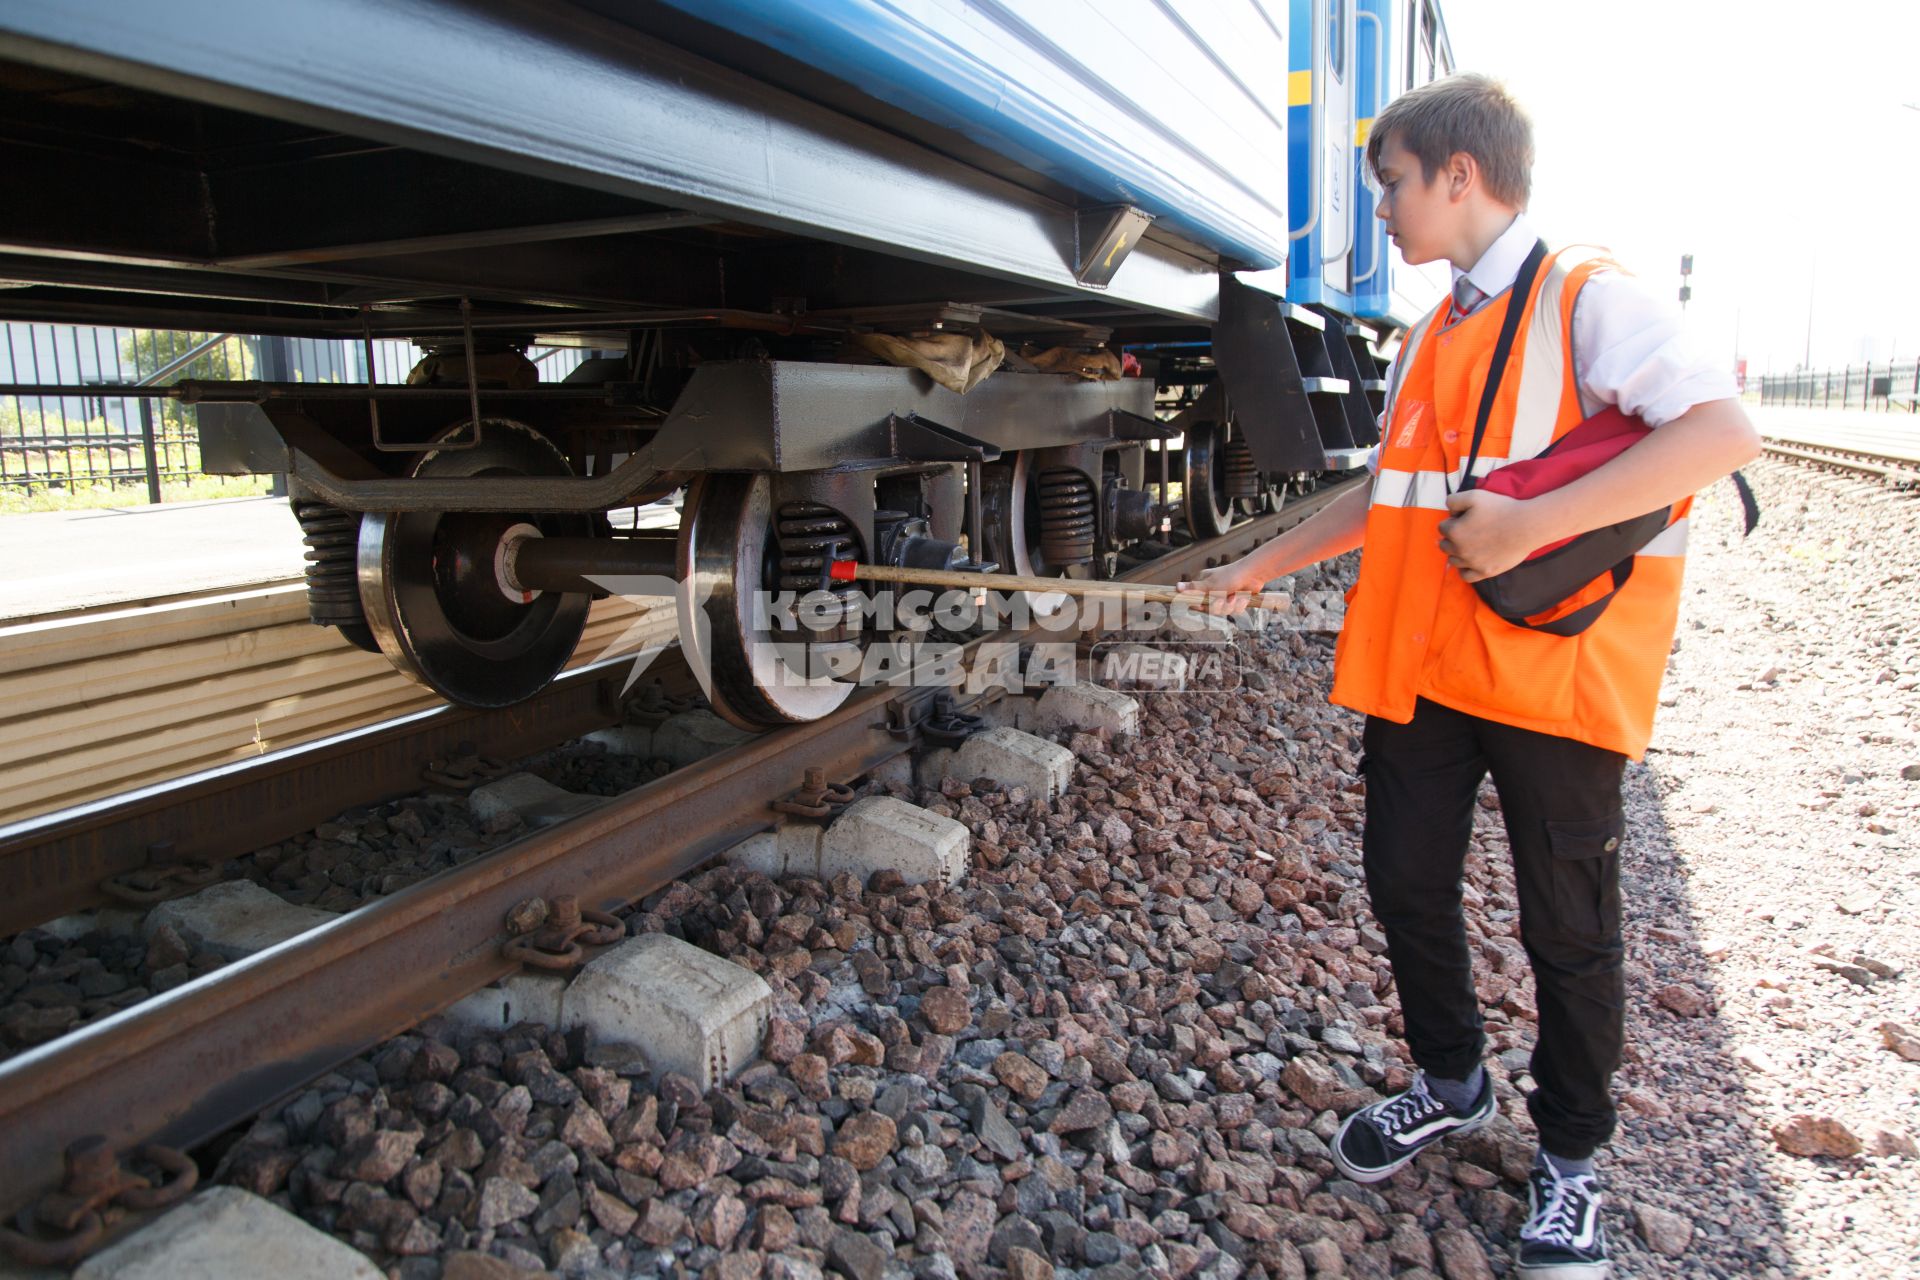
(1414, 627)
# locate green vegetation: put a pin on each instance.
(50, 461)
(93, 494)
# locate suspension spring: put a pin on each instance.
(810, 536)
(1066, 516)
(1242, 477)
(333, 545)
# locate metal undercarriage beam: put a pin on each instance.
(786, 415)
(745, 415)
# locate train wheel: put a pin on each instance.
(1205, 492)
(433, 595)
(1275, 496)
(754, 676)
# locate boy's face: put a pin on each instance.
(1422, 216)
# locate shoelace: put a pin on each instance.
(1415, 1105)
(1559, 1221)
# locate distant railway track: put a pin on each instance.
(1899, 472)
(186, 1065)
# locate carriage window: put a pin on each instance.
(1428, 28)
(1412, 44)
(1337, 39)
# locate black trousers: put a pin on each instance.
(1561, 800)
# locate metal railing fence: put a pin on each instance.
(1893, 384)
(90, 440)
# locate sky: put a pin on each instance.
(1771, 141)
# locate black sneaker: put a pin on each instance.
(1378, 1139)
(1563, 1238)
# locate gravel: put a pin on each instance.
(1120, 1047)
(1774, 874)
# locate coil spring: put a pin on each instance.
(333, 545)
(1066, 516)
(1242, 477)
(809, 535)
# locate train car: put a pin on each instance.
(1375, 50)
(1349, 59)
(1403, 44)
(1398, 45)
(1023, 284)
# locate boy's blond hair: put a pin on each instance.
(1471, 113)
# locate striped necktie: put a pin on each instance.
(1466, 298)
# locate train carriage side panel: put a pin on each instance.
(1172, 107)
(1375, 84)
(1321, 112)
(1423, 54)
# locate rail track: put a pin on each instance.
(188, 1064)
(115, 850)
(1890, 456)
(1895, 471)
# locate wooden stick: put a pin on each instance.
(846, 571)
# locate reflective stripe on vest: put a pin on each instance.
(1414, 628)
(1670, 541)
(1424, 488)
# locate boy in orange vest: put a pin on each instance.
(1452, 692)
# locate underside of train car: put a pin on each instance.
(835, 326)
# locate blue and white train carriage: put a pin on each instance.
(1369, 52)
(930, 282)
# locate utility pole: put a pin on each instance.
(1813, 281)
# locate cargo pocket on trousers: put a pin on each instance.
(1586, 875)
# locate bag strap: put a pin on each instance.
(1509, 328)
(1583, 617)
(1748, 503)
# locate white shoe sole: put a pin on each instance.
(1354, 1174)
(1566, 1271)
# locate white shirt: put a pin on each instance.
(1629, 348)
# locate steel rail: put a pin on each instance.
(186, 1065)
(54, 864)
(1899, 471)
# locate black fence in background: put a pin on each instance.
(91, 440)
(1894, 385)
